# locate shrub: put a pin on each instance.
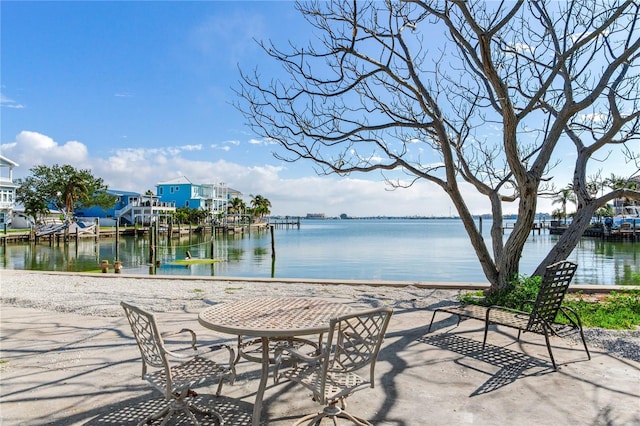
(514, 295)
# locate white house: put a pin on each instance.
(7, 190)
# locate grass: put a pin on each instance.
(617, 311)
(614, 311)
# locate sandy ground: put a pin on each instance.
(68, 358)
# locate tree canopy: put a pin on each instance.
(260, 206)
(62, 187)
(485, 107)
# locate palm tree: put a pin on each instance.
(74, 189)
(261, 206)
(563, 197)
(614, 182)
(236, 206)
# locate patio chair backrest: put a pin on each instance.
(553, 288)
(145, 330)
(358, 337)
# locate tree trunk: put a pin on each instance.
(570, 237)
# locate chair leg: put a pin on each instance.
(219, 390)
(202, 410)
(190, 415)
(432, 318)
(239, 350)
(356, 420)
(170, 414)
(553, 361)
(186, 407)
(486, 331)
(584, 342)
(155, 416)
(332, 412)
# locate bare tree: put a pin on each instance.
(483, 107)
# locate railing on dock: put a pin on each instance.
(535, 227)
(293, 222)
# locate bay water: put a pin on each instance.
(418, 250)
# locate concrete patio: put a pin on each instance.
(68, 369)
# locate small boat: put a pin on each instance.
(59, 227)
(627, 218)
(52, 228)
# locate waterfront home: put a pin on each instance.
(130, 208)
(7, 190)
(212, 198)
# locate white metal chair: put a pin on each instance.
(353, 342)
(175, 380)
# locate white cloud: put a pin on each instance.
(264, 141)
(32, 148)
(522, 47)
(9, 103)
(593, 117)
(226, 145)
(141, 169)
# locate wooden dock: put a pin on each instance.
(632, 234)
(287, 223)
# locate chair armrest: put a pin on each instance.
(194, 339)
(194, 347)
(199, 352)
(232, 352)
(575, 321)
(294, 353)
(296, 356)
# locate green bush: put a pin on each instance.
(617, 310)
(514, 295)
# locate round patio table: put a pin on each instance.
(271, 318)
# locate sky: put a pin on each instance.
(142, 92)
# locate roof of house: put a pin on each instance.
(4, 161)
(176, 181)
(121, 193)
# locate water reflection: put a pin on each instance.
(413, 250)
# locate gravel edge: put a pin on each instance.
(100, 295)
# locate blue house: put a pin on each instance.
(130, 208)
(212, 198)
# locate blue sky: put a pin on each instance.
(141, 92)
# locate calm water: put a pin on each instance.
(404, 250)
